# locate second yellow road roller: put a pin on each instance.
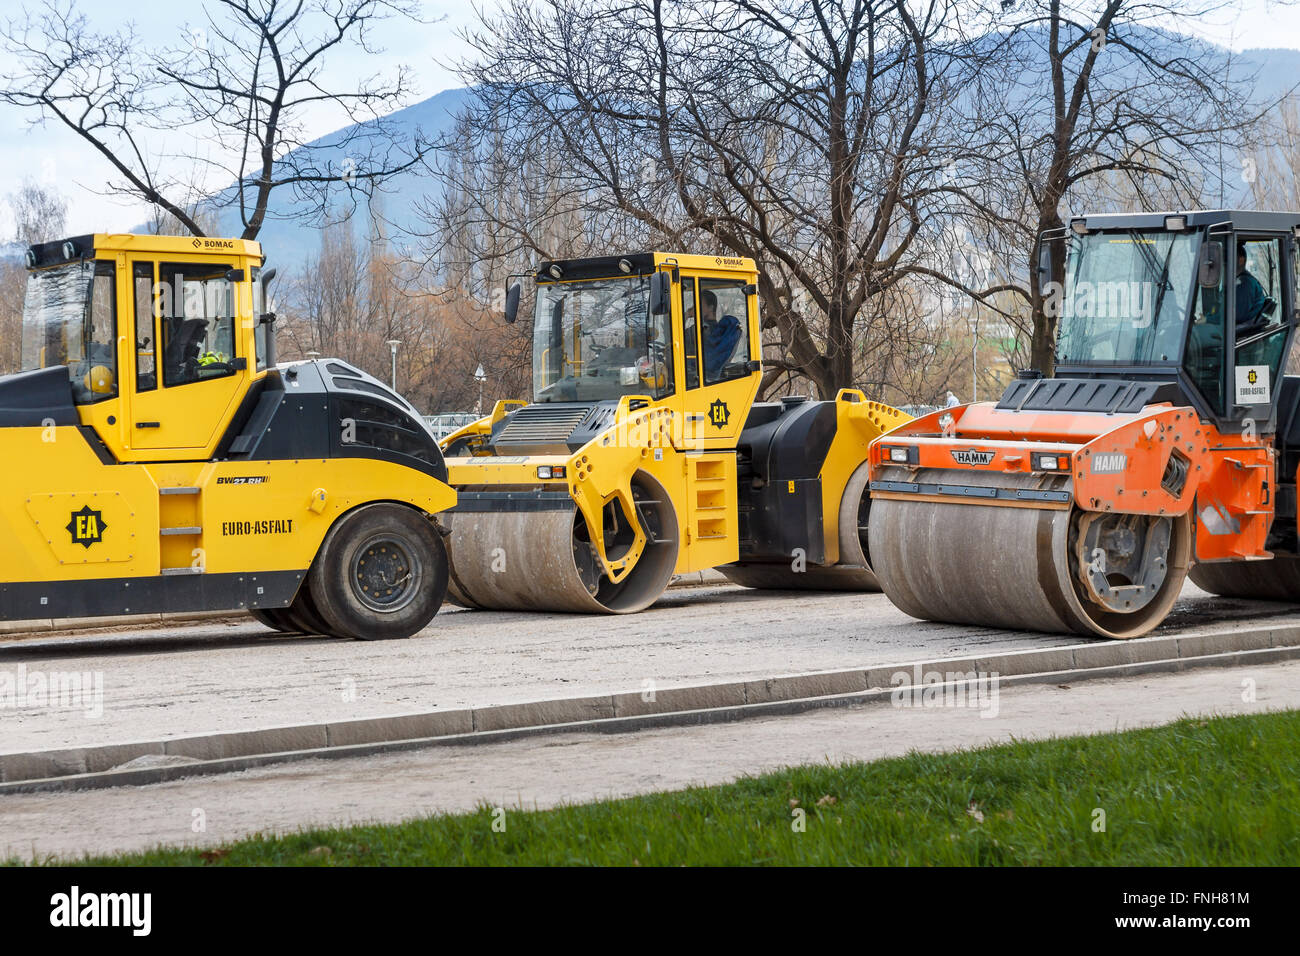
(644, 454)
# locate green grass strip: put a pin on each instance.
(1198, 792)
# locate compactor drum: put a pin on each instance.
(1166, 444)
(160, 459)
(643, 453)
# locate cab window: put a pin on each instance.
(146, 336)
(195, 303)
(260, 329)
(1204, 358)
(100, 358)
(724, 330)
(656, 366)
(1258, 285)
(690, 335)
(1260, 326)
(69, 320)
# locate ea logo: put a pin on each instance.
(719, 414)
(87, 527)
(1252, 376)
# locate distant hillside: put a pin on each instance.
(290, 241)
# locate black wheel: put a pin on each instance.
(381, 573)
(302, 614)
(275, 618)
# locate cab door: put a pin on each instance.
(188, 368)
(722, 371)
(1261, 337)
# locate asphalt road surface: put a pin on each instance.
(176, 681)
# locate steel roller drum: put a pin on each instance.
(852, 573)
(1003, 566)
(540, 561)
(1274, 580)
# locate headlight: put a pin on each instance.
(1054, 461)
(900, 454)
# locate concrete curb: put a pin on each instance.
(76, 768)
(67, 624)
(43, 626)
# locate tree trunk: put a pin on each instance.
(839, 349)
(1042, 343)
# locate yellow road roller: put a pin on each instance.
(161, 460)
(644, 454)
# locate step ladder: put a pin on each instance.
(180, 530)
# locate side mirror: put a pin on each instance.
(234, 275)
(1210, 266)
(660, 293)
(1044, 265)
(512, 302)
(268, 318)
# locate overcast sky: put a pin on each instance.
(54, 156)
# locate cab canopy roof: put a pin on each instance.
(101, 244)
(1242, 220)
(637, 264)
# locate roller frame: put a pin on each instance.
(972, 466)
(599, 474)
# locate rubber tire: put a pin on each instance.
(330, 586)
(304, 617)
(276, 618)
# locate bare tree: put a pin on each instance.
(39, 213)
(810, 135)
(243, 83)
(1093, 105)
(357, 294)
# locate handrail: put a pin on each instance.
(1260, 336)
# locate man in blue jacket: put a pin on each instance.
(720, 335)
(1250, 294)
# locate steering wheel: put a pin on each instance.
(225, 368)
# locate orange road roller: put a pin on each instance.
(1164, 445)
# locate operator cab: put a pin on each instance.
(597, 335)
(679, 331)
(1159, 302)
(155, 339)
